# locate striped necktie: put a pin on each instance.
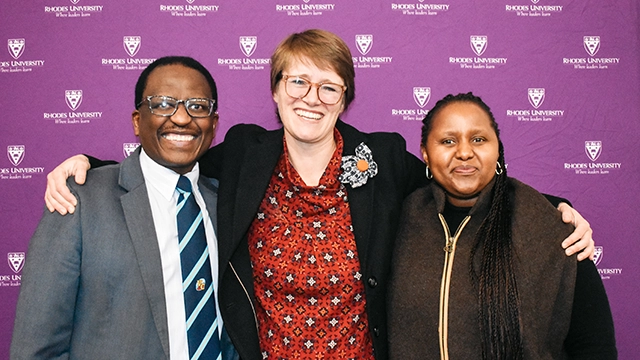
(197, 285)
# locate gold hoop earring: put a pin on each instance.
(429, 174)
(499, 170)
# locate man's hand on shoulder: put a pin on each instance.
(581, 240)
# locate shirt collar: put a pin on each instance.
(163, 179)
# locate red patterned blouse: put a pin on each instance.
(309, 292)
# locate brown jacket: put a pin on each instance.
(545, 278)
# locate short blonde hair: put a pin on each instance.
(323, 49)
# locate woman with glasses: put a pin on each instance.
(307, 214)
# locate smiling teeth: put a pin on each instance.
(308, 114)
(177, 137)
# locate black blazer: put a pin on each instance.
(244, 163)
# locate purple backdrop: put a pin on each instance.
(562, 78)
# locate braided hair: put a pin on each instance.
(495, 281)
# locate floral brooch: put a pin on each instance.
(358, 168)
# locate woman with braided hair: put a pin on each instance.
(506, 292)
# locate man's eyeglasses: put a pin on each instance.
(167, 106)
(328, 93)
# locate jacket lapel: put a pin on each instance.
(210, 199)
(360, 198)
(257, 167)
(137, 212)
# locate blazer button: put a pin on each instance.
(372, 282)
(376, 331)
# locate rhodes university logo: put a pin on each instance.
(15, 154)
(129, 148)
(364, 43)
(421, 95)
(591, 44)
(597, 255)
(248, 45)
(536, 97)
(478, 44)
(16, 261)
(605, 273)
(73, 99)
(16, 47)
(593, 149)
(131, 44)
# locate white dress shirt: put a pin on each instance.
(161, 187)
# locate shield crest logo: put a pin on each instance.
(478, 44)
(536, 97)
(201, 284)
(305, 1)
(248, 44)
(364, 43)
(16, 47)
(73, 99)
(131, 44)
(190, 1)
(16, 261)
(74, 1)
(129, 148)
(535, 1)
(421, 95)
(591, 44)
(15, 154)
(597, 255)
(593, 149)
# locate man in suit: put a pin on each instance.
(106, 282)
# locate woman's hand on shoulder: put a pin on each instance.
(57, 195)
